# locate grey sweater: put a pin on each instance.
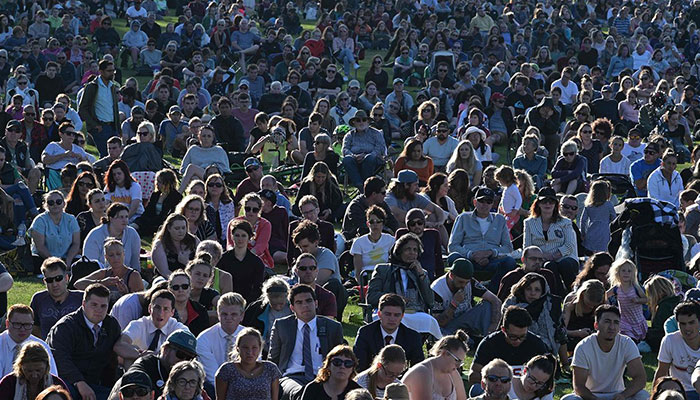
(466, 235)
(205, 157)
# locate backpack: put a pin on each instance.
(80, 269)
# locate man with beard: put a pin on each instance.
(363, 150)
(532, 262)
(495, 381)
(600, 361)
(441, 146)
(403, 196)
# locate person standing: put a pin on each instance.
(98, 107)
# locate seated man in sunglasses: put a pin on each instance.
(181, 345)
(512, 344)
(483, 238)
(52, 304)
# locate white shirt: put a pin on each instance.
(385, 334)
(7, 347)
(142, 331)
(211, 349)
(296, 364)
(608, 166)
(440, 152)
(605, 370)
(634, 153)
(675, 351)
(659, 188)
(568, 92)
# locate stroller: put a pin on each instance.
(620, 184)
(647, 232)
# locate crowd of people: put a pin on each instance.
(481, 190)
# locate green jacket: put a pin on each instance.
(86, 108)
(663, 311)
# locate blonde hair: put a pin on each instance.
(525, 183)
(658, 288)
(469, 164)
(598, 194)
(235, 356)
(614, 274)
(30, 352)
(593, 290)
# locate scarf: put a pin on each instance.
(21, 387)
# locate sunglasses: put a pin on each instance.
(650, 152)
(131, 392)
(22, 83)
(567, 154)
(309, 268)
(24, 326)
(143, 133)
(86, 184)
(361, 120)
(416, 222)
(184, 286)
(215, 184)
(53, 279)
(330, 71)
(251, 209)
(57, 202)
(496, 378)
(345, 363)
(568, 207)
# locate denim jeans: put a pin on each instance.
(345, 55)
(500, 267)
(358, 172)
(20, 191)
(101, 138)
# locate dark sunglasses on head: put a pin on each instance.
(305, 268)
(215, 184)
(57, 202)
(495, 378)
(53, 279)
(251, 209)
(340, 362)
(134, 391)
(184, 286)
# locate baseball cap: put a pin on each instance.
(484, 193)
(14, 124)
(354, 84)
(607, 88)
(497, 96)
(174, 109)
(251, 162)
(653, 146)
(245, 83)
(184, 340)
(136, 377)
(406, 176)
(547, 193)
(463, 268)
(415, 213)
(398, 80)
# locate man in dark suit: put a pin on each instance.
(299, 343)
(387, 330)
(83, 344)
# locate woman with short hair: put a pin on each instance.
(335, 377)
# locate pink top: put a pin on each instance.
(628, 112)
(632, 321)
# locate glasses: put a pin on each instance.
(107, 23)
(53, 279)
(496, 378)
(131, 392)
(568, 154)
(305, 268)
(568, 207)
(514, 338)
(534, 381)
(251, 209)
(650, 152)
(86, 184)
(378, 115)
(184, 286)
(143, 133)
(393, 375)
(377, 62)
(330, 71)
(187, 382)
(376, 221)
(56, 202)
(215, 184)
(21, 83)
(415, 222)
(68, 133)
(458, 360)
(338, 362)
(307, 212)
(18, 325)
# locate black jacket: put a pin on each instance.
(150, 220)
(369, 342)
(229, 133)
(77, 359)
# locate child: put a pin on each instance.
(597, 215)
(629, 296)
(511, 201)
(615, 162)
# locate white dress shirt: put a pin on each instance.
(7, 347)
(211, 349)
(296, 360)
(385, 334)
(141, 331)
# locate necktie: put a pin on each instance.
(15, 352)
(154, 343)
(229, 347)
(387, 340)
(96, 333)
(306, 354)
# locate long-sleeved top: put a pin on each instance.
(7, 346)
(137, 39)
(535, 167)
(206, 156)
(595, 226)
(387, 279)
(370, 141)
(617, 64)
(567, 172)
(93, 248)
(248, 274)
(466, 236)
(211, 349)
(355, 220)
(660, 188)
(560, 236)
(77, 357)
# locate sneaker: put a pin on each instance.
(357, 66)
(345, 78)
(19, 242)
